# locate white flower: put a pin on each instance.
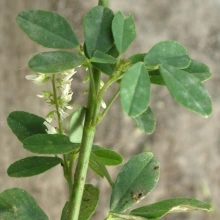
(40, 96)
(101, 84)
(46, 95)
(68, 74)
(50, 129)
(68, 98)
(66, 90)
(63, 114)
(38, 79)
(103, 104)
(69, 107)
(50, 116)
(66, 95)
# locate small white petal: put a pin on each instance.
(69, 74)
(69, 107)
(65, 91)
(50, 116)
(103, 104)
(101, 84)
(38, 79)
(40, 96)
(68, 98)
(50, 129)
(66, 95)
(31, 77)
(63, 114)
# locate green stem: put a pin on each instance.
(96, 75)
(102, 166)
(92, 80)
(108, 106)
(105, 87)
(104, 3)
(89, 131)
(57, 104)
(60, 127)
(92, 115)
(81, 171)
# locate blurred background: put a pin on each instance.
(187, 145)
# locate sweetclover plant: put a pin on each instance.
(108, 35)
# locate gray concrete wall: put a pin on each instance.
(186, 144)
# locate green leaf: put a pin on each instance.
(48, 29)
(66, 211)
(100, 57)
(88, 206)
(24, 124)
(187, 90)
(167, 52)
(123, 31)
(156, 78)
(146, 121)
(55, 62)
(49, 144)
(137, 58)
(160, 209)
(108, 157)
(135, 90)
(108, 68)
(117, 216)
(32, 166)
(98, 166)
(18, 204)
(76, 125)
(113, 51)
(137, 178)
(97, 29)
(199, 70)
(89, 202)
(105, 68)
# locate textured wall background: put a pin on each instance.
(186, 144)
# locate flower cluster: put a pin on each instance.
(61, 97)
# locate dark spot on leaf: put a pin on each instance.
(156, 167)
(124, 203)
(140, 195)
(137, 196)
(134, 196)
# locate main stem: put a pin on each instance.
(92, 114)
(89, 131)
(81, 171)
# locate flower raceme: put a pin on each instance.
(63, 91)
